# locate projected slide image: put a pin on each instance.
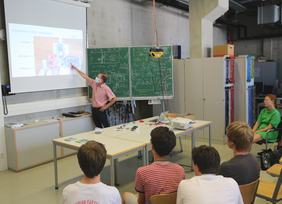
(53, 57)
(44, 51)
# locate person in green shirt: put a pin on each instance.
(268, 118)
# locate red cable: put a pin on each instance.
(155, 23)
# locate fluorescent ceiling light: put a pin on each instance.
(76, 3)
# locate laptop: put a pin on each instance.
(161, 118)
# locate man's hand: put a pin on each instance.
(103, 108)
(73, 67)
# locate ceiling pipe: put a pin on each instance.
(245, 37)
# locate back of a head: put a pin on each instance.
(163, 140)
(91, 158)
(206, 158)
(104, 77)
(241, 134)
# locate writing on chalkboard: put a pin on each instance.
(132, 73)
(115, 63)
(150, 76)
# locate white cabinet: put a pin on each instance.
(205, 92)
(178, 101)
(32, 145)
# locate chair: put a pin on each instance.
(274, 170)
(270, 191)
(279, 128)
(248, 192)
(164, 198)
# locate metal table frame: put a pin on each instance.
(113, 162)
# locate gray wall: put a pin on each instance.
(269, 47)
(112, 24)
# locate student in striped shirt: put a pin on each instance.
(160, 177)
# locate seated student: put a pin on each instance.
(160, 177)
(268, 118)
(243, 167)
(91, 158)
(207, 187)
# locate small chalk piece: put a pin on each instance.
(36, 121)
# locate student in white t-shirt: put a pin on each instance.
(207, 187)
(91, 158)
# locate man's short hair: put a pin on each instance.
(91, 158)
(163, 140)
(206, 158)
(241, 134)
(104, 77)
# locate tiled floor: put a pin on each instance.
(36, 185)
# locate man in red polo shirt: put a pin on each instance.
(160, 177)
(101, 94)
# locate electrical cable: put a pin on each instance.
(162, 81)
(5, 108)
(165, 86)
(155, 28)
(153, 80)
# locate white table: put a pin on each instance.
(122, 142)
(116, 148)
(143, 134)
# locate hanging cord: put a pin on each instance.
(165, 85)
(155, 29)
(5, 108)
(153, 80)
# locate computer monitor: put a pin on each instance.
(268, 89)
(259, 87)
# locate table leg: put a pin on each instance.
(210, 135)
(116, 172)
(55, 166)
(145, 156)
(112, 171)
(193, 144)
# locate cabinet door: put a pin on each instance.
(214, 100)
(178, 101)
(194, 94)
(194, 87)
(76, 126)
(34, 144)
(240, 87)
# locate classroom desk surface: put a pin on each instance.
(120, 142)
(115, 148)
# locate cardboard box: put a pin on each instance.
(190, 116)
(221, 50)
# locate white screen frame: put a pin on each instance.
(61, 15)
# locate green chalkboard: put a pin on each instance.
(131, 72)
(151, 76)
(115, 63)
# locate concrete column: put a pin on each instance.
(202, 14)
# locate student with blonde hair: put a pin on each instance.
(243, 167)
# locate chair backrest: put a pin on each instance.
(280, 131)
(164, 198)
(248, 191)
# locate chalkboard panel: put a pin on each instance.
(151, 76)
(115, 63)
(131, 72)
